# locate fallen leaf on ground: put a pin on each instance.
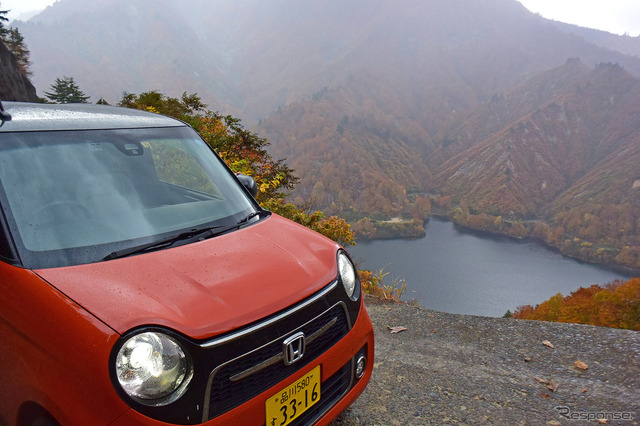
(581, 365)
(550, 384)
(544, 395)
(547, 343)
(603, 421)
(397, 329)
(553, 386)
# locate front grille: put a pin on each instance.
(241, 379)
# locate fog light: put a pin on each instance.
(361, 365)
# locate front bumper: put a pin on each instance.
(340, 386)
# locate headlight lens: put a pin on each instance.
(152, 366)
(348, 276)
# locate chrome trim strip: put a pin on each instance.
(253, 329)
(274, 359)
(323, 330)
(207, 395)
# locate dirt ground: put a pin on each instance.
(463, 369)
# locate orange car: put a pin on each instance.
(141, 284)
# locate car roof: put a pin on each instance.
(28, 117)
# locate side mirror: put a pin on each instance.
(249, 183)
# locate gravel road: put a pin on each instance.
(463, 369)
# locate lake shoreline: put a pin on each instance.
(631, 272)
(465, 271)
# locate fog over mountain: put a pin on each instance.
(255, 56)
(377, 102)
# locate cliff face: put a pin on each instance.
(13, 85)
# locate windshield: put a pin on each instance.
(74, 197)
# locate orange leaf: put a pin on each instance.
(581, 365)
(397, 329)
(550, 384)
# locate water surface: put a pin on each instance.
(457, 271)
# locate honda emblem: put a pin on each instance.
(293, 348)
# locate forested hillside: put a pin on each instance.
(525, 161)
(615, 305)
(567, 164)
(361, 163)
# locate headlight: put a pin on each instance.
(152, 368)
(348, 276)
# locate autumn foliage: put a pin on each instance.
(244, 152)
(373, 282)
(617, 304)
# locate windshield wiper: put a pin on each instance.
(201, 233)
(159, 244)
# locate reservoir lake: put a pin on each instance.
(464, 272)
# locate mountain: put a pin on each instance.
(543, 144)
(254, 56)
(113, 46)
(568, 161)
(625, 44)
(478, 104)
(444, 63)
(502, 110)
(352, 157)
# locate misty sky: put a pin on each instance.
(18, 7)
(616, 16)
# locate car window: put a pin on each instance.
(77, 196)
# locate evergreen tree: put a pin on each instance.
(3, 30)
(15, 42)
(65, 91)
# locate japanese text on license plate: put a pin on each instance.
(288, 404)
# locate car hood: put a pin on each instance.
(208, 287)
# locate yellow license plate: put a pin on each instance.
(288, 404)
